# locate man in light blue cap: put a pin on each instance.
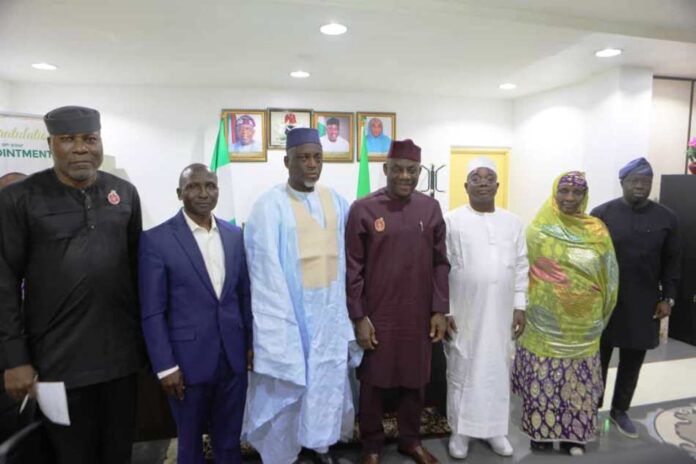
(299, 394)
(647, 248)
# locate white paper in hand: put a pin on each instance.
(53, 401)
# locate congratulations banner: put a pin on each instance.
(23, 146)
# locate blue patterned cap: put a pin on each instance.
(302, 135)
(639, 166)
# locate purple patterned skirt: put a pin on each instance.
(560, 397)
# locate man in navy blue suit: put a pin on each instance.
(196, 316)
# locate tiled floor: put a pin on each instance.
(664, 408)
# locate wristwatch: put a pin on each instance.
(669, 301)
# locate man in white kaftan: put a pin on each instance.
(299, 393)
(487, 250)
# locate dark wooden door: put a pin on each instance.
(678, 192)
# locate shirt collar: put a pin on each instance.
(481, 213)
(193, 226)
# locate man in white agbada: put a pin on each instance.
(299, 393)
(487, 250)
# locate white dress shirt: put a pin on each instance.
(210, 244)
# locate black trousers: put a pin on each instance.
(630, 362)
(102, 424)
(10, 420)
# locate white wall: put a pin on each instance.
(5, 104)
(596, 126)
(669, 126)
(152, 133)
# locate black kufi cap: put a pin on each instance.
(72, 120)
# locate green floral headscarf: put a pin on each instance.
(573, 281)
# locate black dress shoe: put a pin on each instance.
(324, 458)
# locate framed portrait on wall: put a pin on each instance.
(378, 131)
(282, 121)
(244, 133)
(335, 134)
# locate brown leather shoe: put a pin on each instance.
(372, 458)
(419, 454)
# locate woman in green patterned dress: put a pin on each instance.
(573, 285)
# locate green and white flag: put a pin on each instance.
(321, 126)
(364, 172)
(221, 165)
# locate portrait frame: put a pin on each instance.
(362, 118)
(346, 125)
(256, 154)
(278, 124)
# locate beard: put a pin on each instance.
(82, 174)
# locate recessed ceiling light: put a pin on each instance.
(507, 86)
(44, 66)
(333, 29)
(299, 74)
(608, 52)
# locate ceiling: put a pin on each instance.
(442, 47)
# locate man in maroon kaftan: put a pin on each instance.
(397, 289)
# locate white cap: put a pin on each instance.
(481, 162)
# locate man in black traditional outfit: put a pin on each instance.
(648, 251)
(71, 233)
